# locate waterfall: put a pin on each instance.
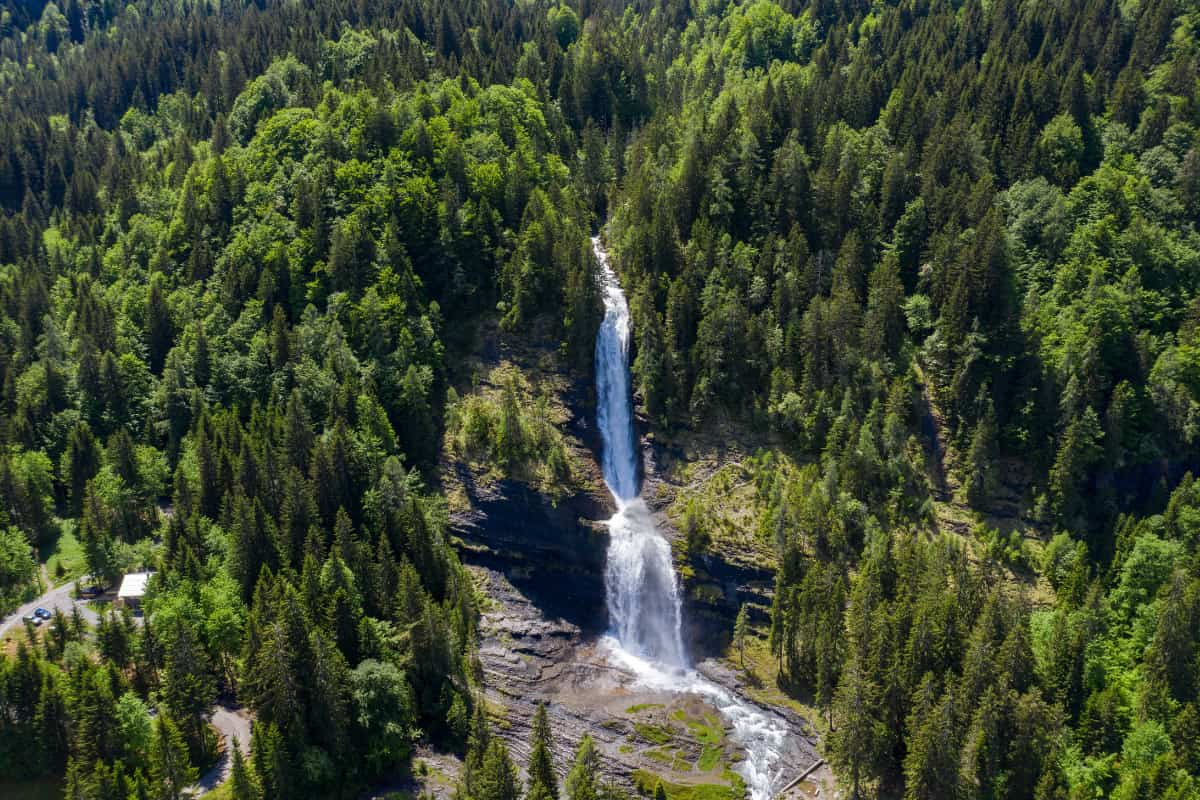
(643, 599)
(641, 591)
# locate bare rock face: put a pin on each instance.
(553, 553)
(531, 658)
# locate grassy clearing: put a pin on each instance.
(63, 555)
(645, 781)
(12, 637)
(634, 709)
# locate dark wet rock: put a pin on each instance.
(714, 592)
(555, 553)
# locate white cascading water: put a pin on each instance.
(642, 595)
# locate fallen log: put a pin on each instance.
(811, 769)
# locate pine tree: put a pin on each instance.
(159, 328)
(855, 744)
(931, 767)
(188, 688)
(477, 746)
(1080, 451)
(242, 785)
(741, 628)
(80, 464)
(273, 763)
(497, 777)
(543, 784)
(583, 781)
(96, 536)
(170, 770)
(981, 457)
(883, 323)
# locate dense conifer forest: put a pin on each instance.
(921, 254)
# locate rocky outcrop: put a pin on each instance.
(714, 590)
(715, 585)
(553, 553)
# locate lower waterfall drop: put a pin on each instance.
(642, 594)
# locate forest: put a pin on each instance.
(920, 254)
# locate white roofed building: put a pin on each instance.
(133, 588)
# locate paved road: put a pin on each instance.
(61, 598)
(229, 722)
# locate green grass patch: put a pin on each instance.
(674, 759)
(645, 781)
(707, 729)
(736, 782)
(655, 734)
(642, 707)
(661, 756)
(710, 759)
(63, 555)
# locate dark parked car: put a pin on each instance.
(91, 591)
(42, 613)
(32, 618)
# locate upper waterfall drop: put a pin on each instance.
(613, 395)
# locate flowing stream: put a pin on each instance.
(641, 591)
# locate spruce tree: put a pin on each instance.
(543, 784)
(583, 781)
(477, 747)
(741, 628)
(242, 785)
(497, 776)
(170, 769)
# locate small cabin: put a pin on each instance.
(133, 589)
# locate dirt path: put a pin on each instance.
(60, 598)
(230, 723)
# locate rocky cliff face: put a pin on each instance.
(539, 559)
(717, 583)
(553, 553)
